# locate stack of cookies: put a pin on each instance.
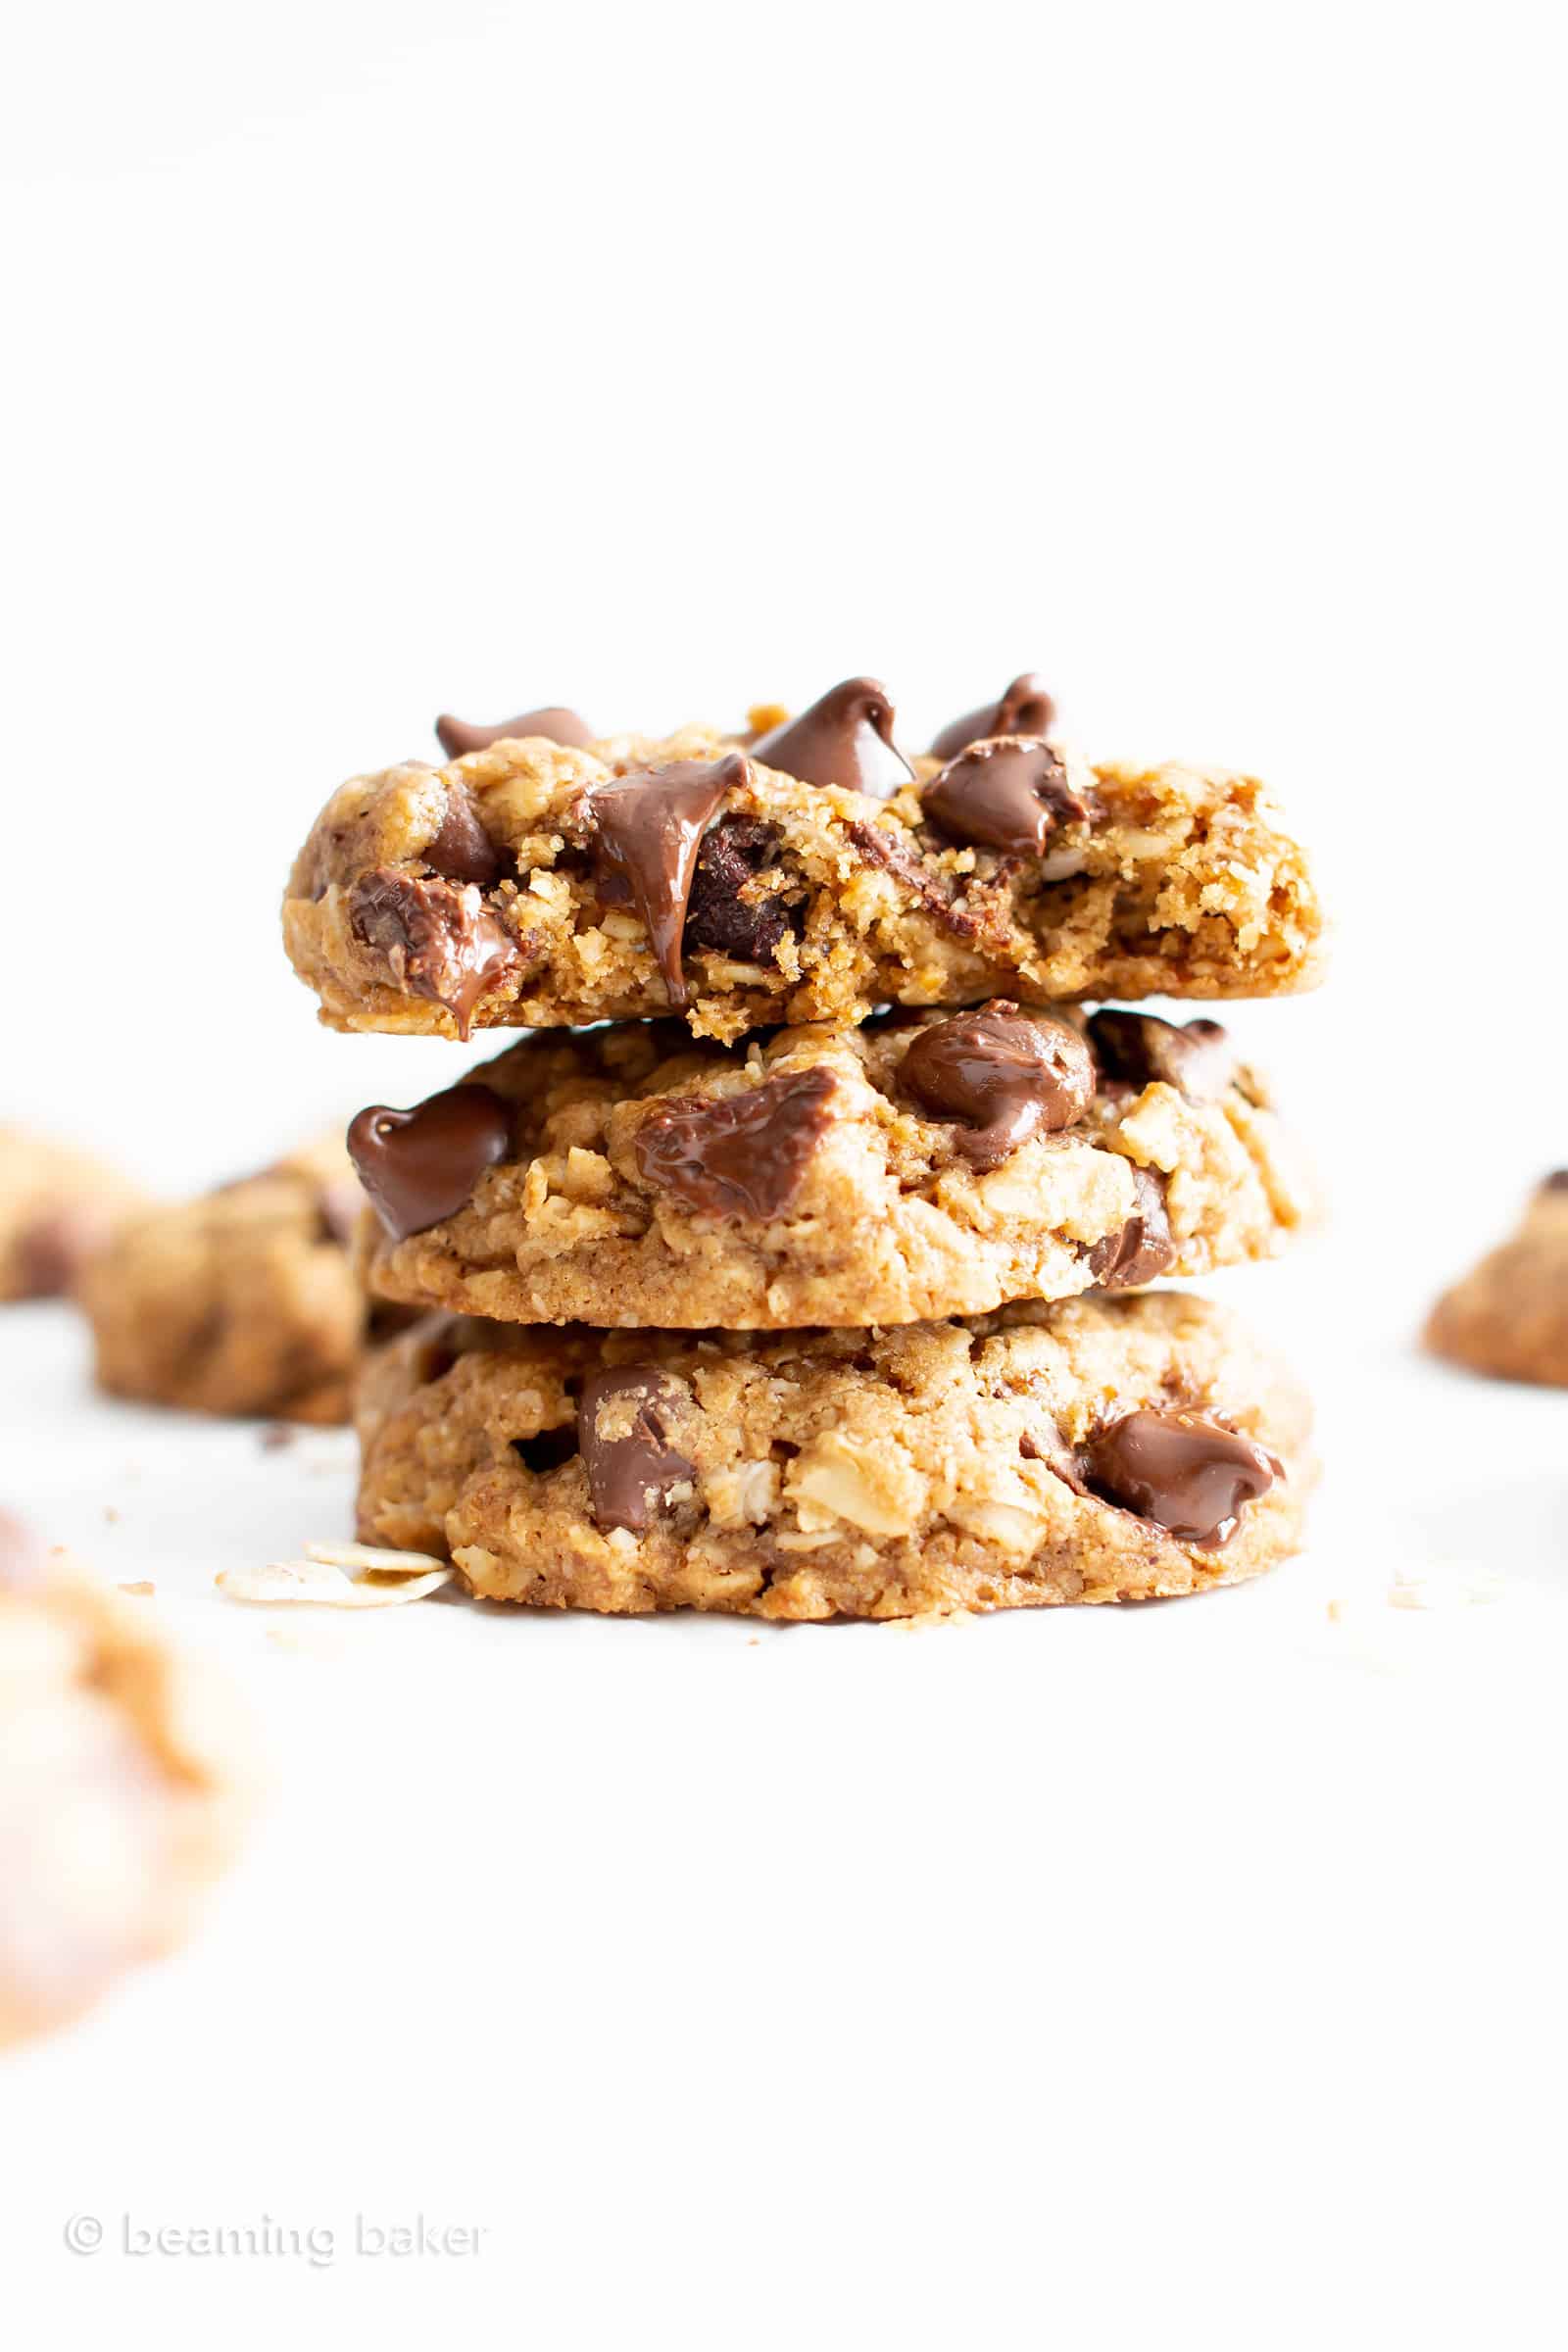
(795, 1261)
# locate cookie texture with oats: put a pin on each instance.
(1097, 1450)
(832, 1175)
(244, 1300)
(126, 1786)
(493, 892)
(1508, 1317)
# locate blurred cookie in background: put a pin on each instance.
(123, 1787)
(1509, 1316)
(57, 1207)
(243, 1300)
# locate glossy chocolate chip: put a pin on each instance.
(646, 828)
(437, 936)
(1139, 1049)
(845, 739)
(1026, 708)
(463, 851)
(1144, 1249)
(623, 1420)
(725, 912)
(1003, 1075)
(458, 737)
(421, 1165)
(1009, 793)
(737, 1155)
(1181, 1470)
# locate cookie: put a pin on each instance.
(908, 1169)
(242, 1301)
(121, 1795)
(57, 1207)
(1101, 1450)
(810, 874)
(1509, 1316)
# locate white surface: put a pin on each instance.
(1191, 1974)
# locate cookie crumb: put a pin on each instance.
(141, 1587)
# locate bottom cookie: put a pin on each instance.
(1099, 1450)
(1508, 1317)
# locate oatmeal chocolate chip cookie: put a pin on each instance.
(1509, 1316)
(1100, 1449)
(57, 1207)
(807, 876)
(242, 1301)
(121, 1795)
(910, 1168)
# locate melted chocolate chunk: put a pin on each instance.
(1138, 1048)
(436, 937)
(739, 1155)
(895, 853)
(1181, 1470)
(458, 737)
(463, 851)
(846, 738)
(1026, 708)
(1144, 1249)
(421, 1165)
(1009, 793)
(623, 1420)
(1006, 1076)
(1557, 1182)
(719, 915)
(648, 827)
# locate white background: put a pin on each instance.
(1191, 1975)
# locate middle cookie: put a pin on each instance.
(918, 1167)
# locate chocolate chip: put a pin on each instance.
(1557, 1182)
(463, 851)
(1139, 1048)
(1181, 1470)
(646, 828)
(437, 938)
(846, 738)
(1144, 1249)
(1003, 1074)
(458, 737)
(737, 1155)
(889, 848)
(421, 1165)
(623, 1418)
(1009, 793)
(720, 914)
(1026, 708)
